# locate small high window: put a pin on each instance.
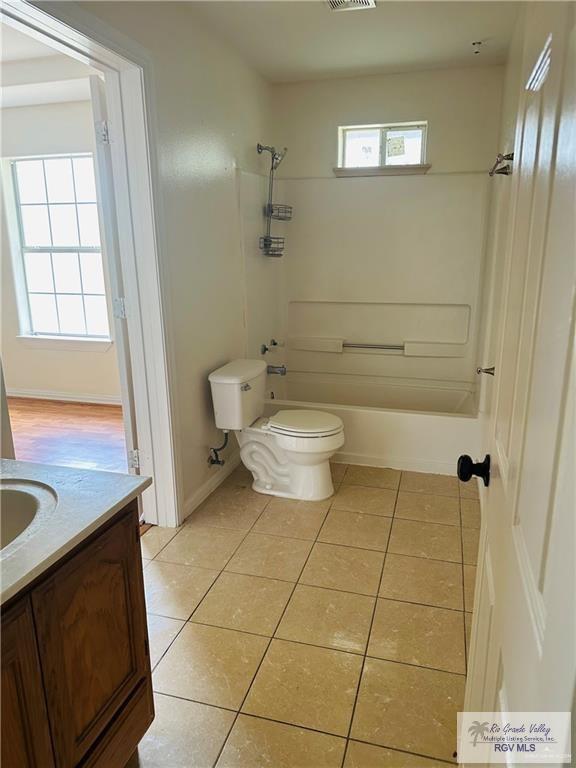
(379, 146)
(59, 235)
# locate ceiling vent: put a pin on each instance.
(351, 5)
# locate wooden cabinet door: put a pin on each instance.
(25, 732)
(92, 637)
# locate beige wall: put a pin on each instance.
(386, 259)
(48, 370)
(460, 105)
(210, 109)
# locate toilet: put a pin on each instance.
(288, 453)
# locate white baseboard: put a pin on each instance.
(43, 394)
(436, 467)
(220, 474)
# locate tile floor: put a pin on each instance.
(313, 634)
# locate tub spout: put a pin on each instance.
(279, 369)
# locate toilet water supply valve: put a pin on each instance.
(214, 457)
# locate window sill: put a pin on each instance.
(384, 170)
(66, 343)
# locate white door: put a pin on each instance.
(524, 640)
(109, 229)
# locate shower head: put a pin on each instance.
(277, 155)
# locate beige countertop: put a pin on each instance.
(73, 504)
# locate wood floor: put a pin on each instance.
(70, 434)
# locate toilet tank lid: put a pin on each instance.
(237, 372)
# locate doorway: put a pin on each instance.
(124, 185)
(60, 354)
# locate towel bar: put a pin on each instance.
(353, 345)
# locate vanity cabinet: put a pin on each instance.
(82, 640)
(25, 731)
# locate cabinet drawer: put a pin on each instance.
(91, 625)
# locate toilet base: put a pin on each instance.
(289, 474)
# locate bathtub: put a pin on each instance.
(420, 426)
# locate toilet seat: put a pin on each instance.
(305, 424)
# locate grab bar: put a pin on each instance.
(399, 347)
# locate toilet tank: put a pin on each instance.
(238, 390)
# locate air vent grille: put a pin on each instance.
(351, 5)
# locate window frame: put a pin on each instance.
(19, 250)
(384, 128)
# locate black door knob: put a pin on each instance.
(467, 469)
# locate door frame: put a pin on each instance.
(127, 71)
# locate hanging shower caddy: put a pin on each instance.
(271, 245)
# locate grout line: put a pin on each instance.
(353, 713)
(206, 593)
(463, 585)
(294, 725)
(262, 659)
(375, 597)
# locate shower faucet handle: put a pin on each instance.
(278, 369)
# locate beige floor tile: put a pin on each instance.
(230, 506)
(238, 497)
(356, 529)
(211, 665)
(246, 603)
(427, 508)
(360, 755)
(298, 519)
(183, 734)
(469, 490)
(469, 584)
(240, 476)
(418, 634)
(325, 617)
(438, 485)
(145, 562)
(155, 539)
(345, 568)
(408, 708)
(439, 542)
(213, 514)
(175, 590)
(161, 631)
(470, 541)
(307, 686)
(254, 742)
(378, 477)
(470, 511)
(203, 547)
(271, 556)
(338, 471)
(468, 627)
(419, 580)
(363, 498)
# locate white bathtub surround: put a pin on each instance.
(72, 504)
(418, 441)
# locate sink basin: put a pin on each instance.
(22, 503)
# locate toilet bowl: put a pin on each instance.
(288, 453)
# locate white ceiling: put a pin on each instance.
(14, 46)
(33, 73)
(303, 40)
